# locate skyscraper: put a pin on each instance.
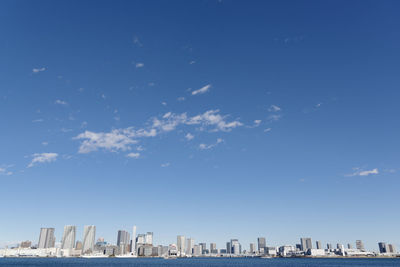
(213, 247)
(149, 238)
(382, 247)
(89, 235)
(318, 244)
(133, 242)
(46, 238)
(68, 238)
(391, 248)
(203, 248)
(305, 243)
(123, 238)
(180, 242)
(189, 246)
(360, 245)
(252, 248)
(235, 247)
(261, 244)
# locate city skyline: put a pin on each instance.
(215, 120)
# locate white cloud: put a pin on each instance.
(267, 130)
(4, 170)
(366, 173)
(139, 65)
(202, 90)
(137, 42)
(45, 143)
(42, 158)
(133, 155)
(360, 172)
(181, 99)
(210, 146)
(37, 70)
(212, 118)
(189, 136)
(274, 117)
(257, 123)
(274, 108)
(113, 141)
(38, 120)
(164, 103)
(165, 164)
(60, 102)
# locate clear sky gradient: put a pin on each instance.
(211, 119)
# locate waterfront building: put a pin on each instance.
(382, 247)
(329, 246)
(68, 238)
(261, 244)
(228, 248)
(140, 239)
(123, 238)
(25, 244)
(189, 246)
(318, 244)
(78, 245)
(252, 249)
(391, 248)
(46, 238)
(149, 238)
(213, 248)
(180, 241)
(89, 235)
(133, 242)
(360, 245)
(235, 247)
(349, 246)
(305, 243)
(197, 250)
(203, 248)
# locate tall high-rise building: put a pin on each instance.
(349, 246)
(89, 235)
(189, 246)
(140, 239)
(228, 248)
(180, 243)
(261, 244)
(149, 238)
(133, 242)
(68, 238)
(235, 247)
(391, 248)
(203, 248)
(305, 243)
(318, 244)
(360, 245)
(382, 247)
(213, 247)
(46, 238)
(329, 246)
(78, 245)
(123, 238)
(252, 248)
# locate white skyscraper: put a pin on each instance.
(89, 235)
(189, 246)
(46, 238)
(68, 239)
(181, 244)
(133, 245)
(149, 238)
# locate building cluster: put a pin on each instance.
(141, 245)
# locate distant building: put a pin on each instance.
(305, 243)
(235, 247)
(329, 246)
(123, 241)
(46, 238)
(189, 246)
(318, 244)
(360, 245)
(180, 242)
(213, 248)
(149, 238)
(133, 241)
(203, 248)
(89, 235)
(261, 244)
(349, 246)
(252, 248)
(78, 245)
(228, 248)
(382, 247)
(26, 244)
(197, 250)
(68, 238)
(391, 248)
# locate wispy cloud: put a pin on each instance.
(123, 139)
(4, 170)
(267, 130)
(139, 65)
(136, 41)
(133, 155)
(167, 164)
(274, 108)
(181, 98)
(274, 117)
(361, 172)
(42, 158)
(60, 102)
(37, 70)
(189, 136)
(38, 120)
(202, 90)
(210, 146)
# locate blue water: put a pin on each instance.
(205, 262)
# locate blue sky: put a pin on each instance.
(211, 119)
